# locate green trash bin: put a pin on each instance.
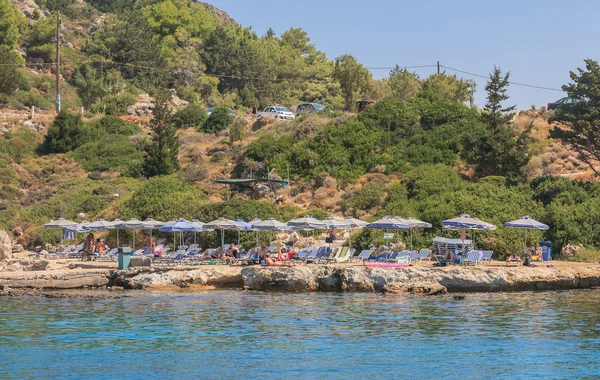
(124, 258)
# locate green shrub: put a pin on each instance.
(18, 144)
(109, 153)
(11, 76)
(192, 116)
(114, 104)
(66, 133)
(585, 256)
(28, 99)
(113, 125)
(219, 119)
(164, 198)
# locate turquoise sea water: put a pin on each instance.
(233, 334)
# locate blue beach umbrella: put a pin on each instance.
(526, 223)
(181, 226)
(388, 223)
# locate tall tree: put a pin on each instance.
(12, 24)
(403, 83)
(90, 85)
(354, 79)
(160, 157)
(497, 149)
(579, 123)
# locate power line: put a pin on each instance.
(146, 67)
(513, 83)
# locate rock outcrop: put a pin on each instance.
(214, 276)
(6, 252)
(313, 278)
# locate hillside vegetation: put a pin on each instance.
(134, 139)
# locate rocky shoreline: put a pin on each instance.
(424, 280)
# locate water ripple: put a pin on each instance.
(225, 334)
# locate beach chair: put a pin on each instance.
(364, 255)
(414, 256)
(345, 255)
(424, 254)
(335, 254)
(312, 256)
(302, 254)
(471, 257)
(486, 257)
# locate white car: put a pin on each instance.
(277, 112)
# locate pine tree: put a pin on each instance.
(160, 157)
(579, 124)
(498, 150)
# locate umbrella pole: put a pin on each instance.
(117, 238)
(411, 240)
(134, 240)
(222, 239)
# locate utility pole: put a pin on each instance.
(57, 62)
(438, 66)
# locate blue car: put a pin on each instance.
(308, 108)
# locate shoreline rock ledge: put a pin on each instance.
(317, 278)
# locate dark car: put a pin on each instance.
(562, 102)
(306, 108)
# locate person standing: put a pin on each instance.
(253, 111)
(88, 245)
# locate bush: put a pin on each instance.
(218, 120)
(109, 153)
(28, 99)
(237, 131)
(114, 105)
(192, 116)
(585, 256)
(18, 144)
(66, 133)
(113, 125)
(164, 198)
(11, 76)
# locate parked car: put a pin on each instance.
(210, 110)
(308, 108)
(277, 112)
(562, 102)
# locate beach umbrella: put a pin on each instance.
(388, 223)
(270, 224)
(466, 222)
(354, 223)
(132, 224)
(151, 224)
(333, 223)
(244, 226)
(223, 224)
(100, 225)
(526, 223)
(198, 224)
(253, 223)
(180, 226)
(413, 223)
(60, 223)
(307, 223)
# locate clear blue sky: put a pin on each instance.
(539, 42)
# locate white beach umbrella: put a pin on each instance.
(223, 224)
(413, 223)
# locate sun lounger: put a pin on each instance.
(424, 254)
(414, 256)
(472, 257)
(486, 257)
(345, 255)
(312, 256)
(364, 255)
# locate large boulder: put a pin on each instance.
(6, 252)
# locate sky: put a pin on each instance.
(539, 42)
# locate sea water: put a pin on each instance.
(235, 334)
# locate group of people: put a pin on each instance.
(533, 254)
(93, 247)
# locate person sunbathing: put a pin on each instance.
(272, 263)
(514, 258)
